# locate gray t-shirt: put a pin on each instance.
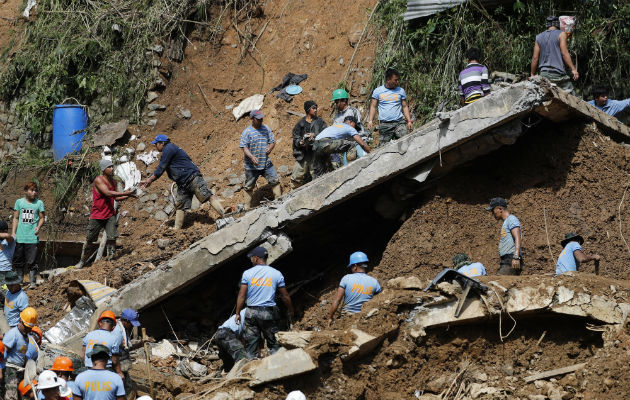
(506, 243)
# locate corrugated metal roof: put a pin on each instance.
(423, 8)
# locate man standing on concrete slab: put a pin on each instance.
(337, 138)
(257, 142)
(391, 101)
(15, 299)
(28, 218)
(511, 236)
(180, 169)
(551, 53)
(7, 247)
(259, 285)
(464, 265)
(303, 134)
(572, 256)
(355, 288)
(610, 107)
(16, 344)
(103, 213)
(98, 383)
(104, 336)
(228, 340)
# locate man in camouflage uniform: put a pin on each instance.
(258, 288)
(228, 340)
(16, 343)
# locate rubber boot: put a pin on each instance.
(179, 219)
(85, 254)
(32, 278)
(216, 204)
(277, 191)
(111, 251)
(20, 273)
(248, 198)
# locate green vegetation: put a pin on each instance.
(429, 52)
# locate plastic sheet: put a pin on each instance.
(129, 173)
(77, 320)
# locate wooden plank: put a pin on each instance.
(554, 372)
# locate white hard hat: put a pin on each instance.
(144, 398)
(64, 390)
(296, 395)
(48, 379)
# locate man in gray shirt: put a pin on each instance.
(511, 260)
(551, 53)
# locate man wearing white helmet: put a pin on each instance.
(48, 385)
(355, 288)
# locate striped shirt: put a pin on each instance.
(473, 82)
(256, 140)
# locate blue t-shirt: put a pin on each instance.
(106, 338)
(256, 140)
(389, 103)
(16, 345)
(262, 282)
(506, 243)
(359, 287)
(612, 107)
(337, 131)
(14, 304)
(472, 270)
(98, 384)
(32, 351)
(6, 254)
(231, 323)
(566, 261)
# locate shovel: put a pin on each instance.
(30, 373)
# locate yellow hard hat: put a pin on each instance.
(29, 317)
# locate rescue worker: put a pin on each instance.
(15, 299)
(34, 343)
(26, 391)
(104, 336)
(303, 134)
(511, 262)
(259, 285)
(7, 247)
(99, 383)
(572, 256)
(464, 265)
(103, 213)
(180, 169)
(393, 110)
(124, 329)
(355, 288)
(337, 138)
(603, 103)
(257, 142)
(16, 344)
(228, 340)
(342, 110)
(63, 367)
(48, 384)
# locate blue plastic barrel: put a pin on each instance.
(69, 124)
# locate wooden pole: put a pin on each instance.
(148, 358)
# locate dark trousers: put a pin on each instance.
(25, 257)
(231, 349)
(505, 266)
(260, 320)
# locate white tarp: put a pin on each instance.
(254, 102)
(129, 173)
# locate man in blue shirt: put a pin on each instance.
(257, 142)
(464, 265)
(391, 101)
(337, 138)
(16, 344)
(510, 243)
(98, 383)
(104, 336)
(228, 340)
(572, 256)
(15, 299)
(259, 285)
(7, 247)
(355, 288)
(610, 107)
(180, 168)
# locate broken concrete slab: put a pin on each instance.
(108, 134)
(294, 339)
(408, 283)
(283, 364)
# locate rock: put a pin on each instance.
(153, 196)
(282, 364)
(234, 181)
(341, 60)
(164, 349)
(156, 107)
(156, 63)
(354, 35)
(151, 114)
(151, 96)
(4, 118)
(283, 170)
(169, 208)
(449, 288)
(228, 193)
(144, 198)
(108, 134)
(140, 147)
(160, 216)
(234, 394)
(176, 384)
(508, 368)
(22, 139)
(536, 397)
(184, 113)
(152, 122)
(185, 396)
(410, 282)
(163, 243)
(157, 49)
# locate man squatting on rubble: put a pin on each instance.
(303, 134)
(391, 101)
(228, 340)
(610, 107)
(257, 142)
(551, 52)
(258, 289)
(103, 213)
(572, 256)
(342, 110)
(355, 288)
(511, 236)
(464, 265)
(337, 138)
(180, 168)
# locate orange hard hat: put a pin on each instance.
(38, 331)
(29, 317)
(23, 388)
(62, 364)
(107, 314)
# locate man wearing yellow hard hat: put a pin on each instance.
(16, 344)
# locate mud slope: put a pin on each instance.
(572, 174)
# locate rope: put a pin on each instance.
(509, 315)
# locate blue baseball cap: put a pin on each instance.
(256, 114)
(259, 251)
(130, 315)
(160, 138)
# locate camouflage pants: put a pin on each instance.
(323, 149)
(12, 378)
(197, 187)
(260, 320)
(388, 131)
(231, 349)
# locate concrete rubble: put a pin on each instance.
(281, 365)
